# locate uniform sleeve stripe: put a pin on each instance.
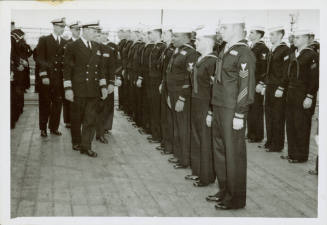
(67, 83)
(242, 94)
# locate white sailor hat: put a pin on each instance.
(59, 21)
(299, 32)
(277, 28)
(258, 28)
(232, 20)
(182, 30)
(75, 24)
(154, 27)
(92, 24)
(206, 31)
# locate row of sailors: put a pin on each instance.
(194, 96)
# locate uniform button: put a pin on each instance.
(87, 72)
(87, 79)
(55, 62)
(96, 65)
(96, 72)
(87, 65)
(55, 69)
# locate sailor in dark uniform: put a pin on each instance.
(255, 116)
(201, 110)
(166, 113)
(179, 93)
(105, 107)
(122, 36)
(50, 60)
(84, 83)
(275, 93)
(155, 80)
(233, 92)
(302, 82)
(75, 30)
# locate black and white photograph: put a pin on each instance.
(123, 113)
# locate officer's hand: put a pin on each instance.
(139, 83)
(307, 103)
(11, 76)
(69, 95)
(104, 93)
(111, 88)
(20, 67)
(179, 106)
(258, 88)
(123, 73)
(45, 81)
(160, 87)
(168, 102)
(238, 123)
(263, 90)
(209, 120)
(118, 82)
(278, 93)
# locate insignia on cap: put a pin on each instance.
(233, 52)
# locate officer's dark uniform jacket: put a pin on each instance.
(303, 74)
(154, 68)
(261, 52)
(234, 85)
(51, 59)
(202, 76)
(277, 65)
(83, 69)
(179, 70)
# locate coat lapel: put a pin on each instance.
(84, 50)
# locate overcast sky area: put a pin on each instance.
(114, 18)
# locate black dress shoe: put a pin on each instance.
(214, 198)
(154, 141)
(56, 132)
(44, 133)
(102, 139)
(199, 184)
(173, 160)
(272, 150)
(76, 147)
(179, 166)
(266, 146)
(222, 206)
(296, 161)
(165, 153)
(89, 153)
(254, 141)
(313, 172)
(159, 148)
(284, 157)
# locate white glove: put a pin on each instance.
(111, 88)
(20, 67)
(278, 93)
(118, 82)
(104, 93)
(11, 76)
(258, 88)
(209, 120)
(307, 103)
(238, 123)
(179, 106)
(168, 102)
(69, 95)
(123, 73)
(263, 90)
(160, 87)
(23, 62)
(45, 81)
(139, 83)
